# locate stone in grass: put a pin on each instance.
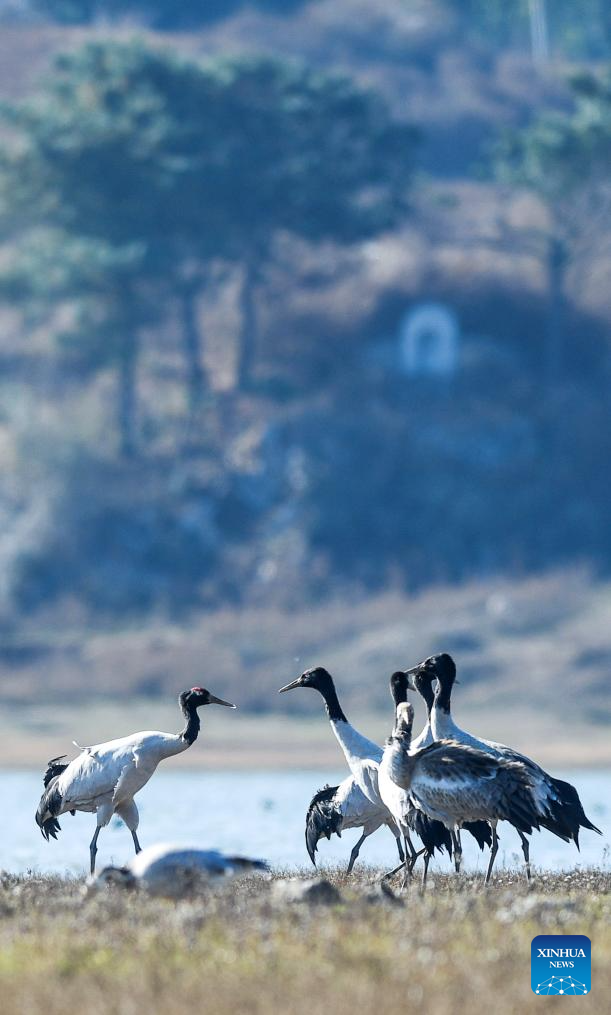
(380, 892)
(314, 891)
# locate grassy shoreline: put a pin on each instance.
(456, 948)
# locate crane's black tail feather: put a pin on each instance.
(568, 815)
(50, 804)
(323, 819)
(519, 806)
(50, 828)
(433, 834)
(481, 832)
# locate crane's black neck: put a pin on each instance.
(443, 694)
(425, 689)
(191, 730)
(398, 687)
(334, 709)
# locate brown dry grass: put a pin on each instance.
(456, 949)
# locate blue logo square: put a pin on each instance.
(561, 964)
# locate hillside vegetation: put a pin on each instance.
(213, 459)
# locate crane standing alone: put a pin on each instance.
(105, 778)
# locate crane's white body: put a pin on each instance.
(106, 777)
(444, 728)
(366, 761)
(363, 757)
(396, 799)
(174, 871)
(454, 782)
(356, 809)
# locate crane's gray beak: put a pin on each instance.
(410, 674)
(219, 701)
(289, 687)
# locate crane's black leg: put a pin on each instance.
(419, 853)
(395, 870)
(411, 853)
(526, 852)
(457, 849)
(355, 852)
(93, 848)
(493, 851)
(410, 859)
(137, 845)
(402, 857)
(427, 858)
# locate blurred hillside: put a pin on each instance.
(533, 661)
(268, 454)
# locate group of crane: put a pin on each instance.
(432, 786)
(437, 784)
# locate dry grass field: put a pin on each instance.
(246, 949)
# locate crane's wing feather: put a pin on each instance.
(54, 768)
(365, 772)
(449, 761)
(463, 782)
(356, 808)
(126, 776)
(92, 776)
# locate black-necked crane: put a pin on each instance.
(105, 778)
(454, 783)
(479, 830)
(362, 755)
(175, 871)
(559, 808)
(333, 809)
(434, 835)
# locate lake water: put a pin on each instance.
(258, 813)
